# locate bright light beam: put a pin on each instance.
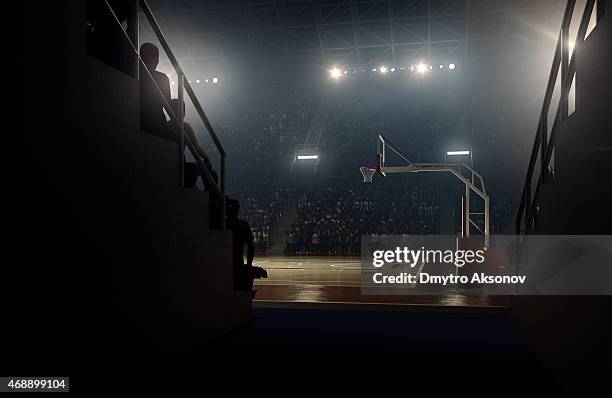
(456, 153)
(421, 68)
(307, 157)
(335, 73)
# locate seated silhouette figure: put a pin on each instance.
(192, 171)
(152, 117)
(242, 234)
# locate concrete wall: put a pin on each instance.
(571, 334)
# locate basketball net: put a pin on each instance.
(367, 173)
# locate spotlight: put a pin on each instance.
(307, 157)
(173, 82)
(335, 73)
(373, 69)
(451, 66)
(392, 69)
(215, 80)
(457, 153)
(412, 68)
(346, 72)
(441, 66)
(206, 80)
(421, 68)
(383, 69)
(198, 81)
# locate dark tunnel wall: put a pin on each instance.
(571, 334)
(111, 252)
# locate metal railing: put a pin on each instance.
(176, 120)
(544, 143)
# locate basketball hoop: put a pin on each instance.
(367, 173)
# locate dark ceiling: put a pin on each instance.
(244, 34)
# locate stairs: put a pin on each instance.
(159, 268)
(284, 224)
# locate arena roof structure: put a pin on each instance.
(245, 34)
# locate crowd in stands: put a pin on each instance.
(262, 209)
(503, 213)
(332, 218)
(333, 215)
(261, 130)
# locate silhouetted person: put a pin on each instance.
(242, 235)
(152, 117)
(192, 171)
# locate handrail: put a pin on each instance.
(179, 70)
(177, 120)
(543, 119)
(164, 43)
(544, 145)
